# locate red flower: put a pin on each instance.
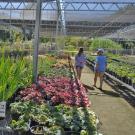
(61, 90)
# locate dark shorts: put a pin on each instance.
(79, 67)
(99, 71)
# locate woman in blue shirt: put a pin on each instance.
(80, 61)
(100, 67)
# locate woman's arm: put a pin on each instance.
(96, 64)
(106, 63)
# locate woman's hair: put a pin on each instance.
(80, 51)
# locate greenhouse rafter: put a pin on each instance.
(67, 5)
(70, 17)
(71, 26)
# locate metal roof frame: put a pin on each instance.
(68, 6)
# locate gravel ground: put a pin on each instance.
(116, 115)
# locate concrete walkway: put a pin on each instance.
(116, 114)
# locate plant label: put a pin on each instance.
(2, 109)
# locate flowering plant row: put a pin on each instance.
(52, 67)
(80, 120)
(59, 90)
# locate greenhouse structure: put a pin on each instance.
(67, 67)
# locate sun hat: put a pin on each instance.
(101, 50)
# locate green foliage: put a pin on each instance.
(13, 75)
(88, 43)
(19, 125)
(4, 35)
(104, 43)
(76, 119)
(60, 42)
(44, 39)
(80, 42)
(10, 35)
(70, 48)
(130, 45)
(122, 69)
(45, 65)
(3, 44)
(71, 41)
(71, 53)
(17, 36)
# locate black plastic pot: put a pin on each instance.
(129, 81)
(15, 116)
(33, 123)
(114, 74)
(124, 79)
(133, 85)
(108, 71)
(71, 133)
(12, 99)
(119, 77)
(31, 133)
(20, 133)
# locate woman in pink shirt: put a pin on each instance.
(80, 60)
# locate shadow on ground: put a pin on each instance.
(88, 87)
(105, 93)
(127, 94)
(102, 93)
(110, 93)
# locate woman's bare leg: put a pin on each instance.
(80, 73)
(101, 75)
(77, 71)
(95, 78)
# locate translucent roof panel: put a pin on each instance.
(79, 17)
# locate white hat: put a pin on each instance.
(101, 50)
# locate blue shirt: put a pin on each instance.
(80, 60)
(101, 61)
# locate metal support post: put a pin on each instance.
(57, 31)
(36, 41)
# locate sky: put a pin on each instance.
(101, 0)
(75, 15)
